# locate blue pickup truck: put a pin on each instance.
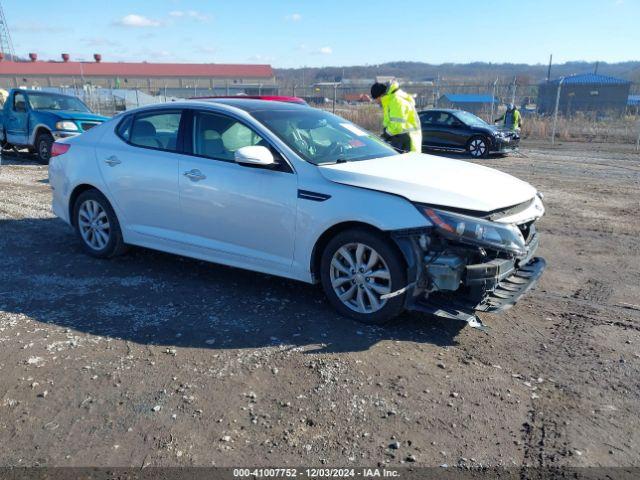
(34, 119)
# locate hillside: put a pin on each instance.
(457, 73)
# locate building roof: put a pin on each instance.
(469, 98)
(590, 79)
(633, 100)
(121, 69)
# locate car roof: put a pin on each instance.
(273, 98)
(447, 110)
(254, 105)
(38, 92)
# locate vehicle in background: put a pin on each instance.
(34, 119)
(294, 191)
(461, 131)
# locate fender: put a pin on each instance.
(34, 131)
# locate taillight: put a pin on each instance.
(59, 149)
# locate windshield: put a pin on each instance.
(320, 137)
(471, 119)
(51, 101)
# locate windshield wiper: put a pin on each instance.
(339, 160)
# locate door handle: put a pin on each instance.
(195, 175)
(112, 161)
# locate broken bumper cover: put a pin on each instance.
(490, 287)
(505, 145)
(509, 286)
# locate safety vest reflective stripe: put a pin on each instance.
(407, 130)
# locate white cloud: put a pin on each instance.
(294, 17)
(325, 51)
(192, 14)
(261, 58)
(137, 21)
(208, 50)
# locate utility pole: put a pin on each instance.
(549, 70)
(6, 44)
(513, 93)
(555, 113)
(493, 100)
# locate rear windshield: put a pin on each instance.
(320, 137)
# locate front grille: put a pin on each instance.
(88, 125)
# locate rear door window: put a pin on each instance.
(157, 130)
(443, 118)
(427, 118)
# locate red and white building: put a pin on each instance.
(152, 77)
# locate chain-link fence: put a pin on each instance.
(584, 113)
(587, 114)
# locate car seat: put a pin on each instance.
(144, 134)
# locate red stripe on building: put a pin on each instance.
(106, 69)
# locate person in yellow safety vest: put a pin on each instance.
(511, 118)
(399, 117)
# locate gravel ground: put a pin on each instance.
(156, 360)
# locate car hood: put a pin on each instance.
(78, 116)
(434, 180)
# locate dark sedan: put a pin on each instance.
(457, 130)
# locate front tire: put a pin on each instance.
(478, 147)
(97, 226)
(356, 268)
(44, 141)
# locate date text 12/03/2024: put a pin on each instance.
(315, 472)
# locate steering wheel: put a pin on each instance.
(335, 149)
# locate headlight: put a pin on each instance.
(499, 134)
(66, 125)
(476, 231)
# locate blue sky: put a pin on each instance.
(330, 32)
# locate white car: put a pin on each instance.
(290, 190)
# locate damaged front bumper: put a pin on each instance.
(492, 292)
(453, 284)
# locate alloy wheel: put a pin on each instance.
(359, 277)
(94, 224)
(477, 147)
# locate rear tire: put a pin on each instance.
(478, 147)
(97, 225)
(356, 268)
(44, 141)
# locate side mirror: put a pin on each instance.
(254, 155)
